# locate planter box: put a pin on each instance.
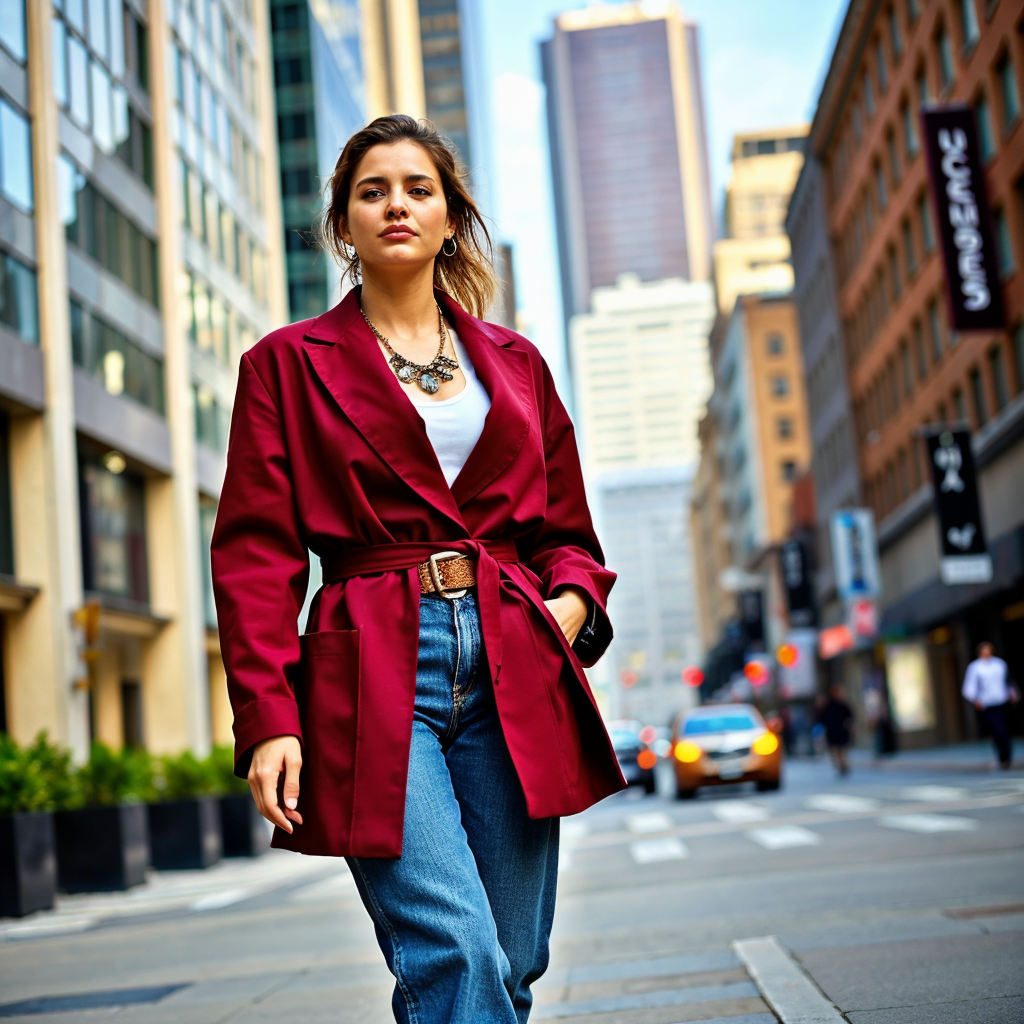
(28, 864)
(245, 832)
(101, 849)
(185, 834)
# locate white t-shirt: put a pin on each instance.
(454, 425)
(986, 682)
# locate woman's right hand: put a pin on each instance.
(270, 759)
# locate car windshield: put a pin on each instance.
(624, 738)
(731, 722)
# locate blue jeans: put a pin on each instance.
(463, 916)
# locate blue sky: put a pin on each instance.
(762, 65)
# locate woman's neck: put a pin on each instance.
(400, 307)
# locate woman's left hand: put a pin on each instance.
(570, 609)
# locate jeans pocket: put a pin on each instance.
(328, 699)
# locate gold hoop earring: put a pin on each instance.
(455, 246)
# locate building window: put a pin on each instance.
(913, 11)
(894, 157)
(1018, 355)
(883, 78)
(903, 474)
(969, 23)
(1004, 244)
(921, 85)
(959, 406)
(883, 194)
(909, 256)
(15, 157)
(910, 140)
(978, 395)
(784, 428)
(983, 119)
(116, 362)
(907, 370)
(780, 387)
(894, 276)
(788, 471)
(997, 368)
(919, 351)
(1009, 93)
(212, 419)
(924, 214)
(944, 51)
(869, 95)
(895, 38)
(207, 517)
(6, 513)
(935, 328)
(113, 527)
(776, 345)
(12, 29)
(19, 303)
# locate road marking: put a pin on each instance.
(216, 900)
(933, 794)
(647, 1000)
(736, 812)
(784, 985)
(929, 823)
(780, 837)
(647, 851)
(46, 927)
(841, 803)
(651, 821)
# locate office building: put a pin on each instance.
(141, 236)
(641, 373)
(392, 58)
(320, 99)
(907, 368)
(624, 96)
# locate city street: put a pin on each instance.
(899, 890)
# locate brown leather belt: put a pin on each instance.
(447, 574)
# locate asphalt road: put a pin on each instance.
(899, 891)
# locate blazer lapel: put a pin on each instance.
(356, 374)
(505, 375)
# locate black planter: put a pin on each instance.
(100, 849)
(185, 834)
(244, 829)
(28, 864)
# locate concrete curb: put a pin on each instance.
(785, 986)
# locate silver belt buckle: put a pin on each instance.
(435, 575)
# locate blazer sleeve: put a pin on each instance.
(260, 568)
(564, 550)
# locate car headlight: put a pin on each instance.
(647, 759)
(687, 752)
(766, 743)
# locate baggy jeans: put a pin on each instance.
(463, 916)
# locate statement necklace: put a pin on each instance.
(427, 375)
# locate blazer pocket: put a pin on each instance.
(328, 699)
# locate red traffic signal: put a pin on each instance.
(756, 673)
(693, 676)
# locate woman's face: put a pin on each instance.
(397, 214)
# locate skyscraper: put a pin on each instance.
(628, 147)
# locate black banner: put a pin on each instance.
(965, 558)
(751, 616)
(962, 218)
(796, 576)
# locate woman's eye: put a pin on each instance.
(372, 193)
(419, 190)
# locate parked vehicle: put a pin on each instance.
(724, 743)
(635, 757)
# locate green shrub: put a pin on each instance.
(114, 777)
(35, 778)
(185, 777)
(222, 766)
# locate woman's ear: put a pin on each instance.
(343, 231)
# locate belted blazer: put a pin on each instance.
(327, 454)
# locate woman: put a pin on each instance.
(435, 704)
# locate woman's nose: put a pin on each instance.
(397, 207)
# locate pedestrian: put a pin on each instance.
(988, 686)
(436, 702)
(836, 718)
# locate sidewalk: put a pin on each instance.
(959, 757)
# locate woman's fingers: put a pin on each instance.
(292, 766)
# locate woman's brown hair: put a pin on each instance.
(468, 276)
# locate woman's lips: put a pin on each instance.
(400, 234)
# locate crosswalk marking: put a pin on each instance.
(217, 900)
(647, 851)
(928, 823)
(780, 837)
(651, 821)
(841, 803)
(737, 812)
(933, 794)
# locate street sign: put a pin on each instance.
(864, 618)
(752, 616)
(961, 213)
(965, 557)
(855, 553)
(834, 640)
(794, 559)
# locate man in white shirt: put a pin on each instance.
(988, 686)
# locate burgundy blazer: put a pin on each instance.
(327, 453)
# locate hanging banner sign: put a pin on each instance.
(752, 615)
(962, 216)
(855, 553)
(795, 560)
(965, 557)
